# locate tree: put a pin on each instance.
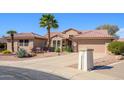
(112, 29)
(11, 33)
(48, 21)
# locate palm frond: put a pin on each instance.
(48, 20)
(11, 32)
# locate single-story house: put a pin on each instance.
(77, 40)
(27, 41)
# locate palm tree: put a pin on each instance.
(48, 21)
(11, 33)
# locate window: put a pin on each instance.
(54, 43)
(20, 42)
(58, 43)
(26, 42)
(23, 42)
(70, 36)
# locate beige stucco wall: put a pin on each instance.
(28, 48)
(56, 38)
(9, 45)
(32, 44)
(39, 43)
(99, 46)
(71, 32)
(75, 45)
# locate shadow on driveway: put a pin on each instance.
(103, 67)
(14, 73)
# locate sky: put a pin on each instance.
(29, 22)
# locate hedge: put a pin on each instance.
(116, 47)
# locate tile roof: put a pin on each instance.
(94, 34)
(53, 34)
(71, 29)
(85, 34)
(27, 36)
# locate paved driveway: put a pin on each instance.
(116, 70)
(57, 61)
(48, 68)
(15, 73)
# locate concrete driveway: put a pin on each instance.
(52, 68)
(116, 70)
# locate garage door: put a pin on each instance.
(97, 45)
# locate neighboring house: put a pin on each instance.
(77, 40)
(3, 43)
(121, 39)
(27, 41)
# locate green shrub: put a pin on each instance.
(2, 45)
(116, 47)
(57, 50)
(67, 49)
(6, 52)
(21, 53)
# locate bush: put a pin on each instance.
(51, 49)
(67, 49)
(116, 47)
(2, 45)
(57, 50)
(6, 52)
(21, 53)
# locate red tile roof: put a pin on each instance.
(71, 29)
(27, 36)
(103, 34)
(52, 34)
(94, 34)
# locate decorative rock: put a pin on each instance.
(32, 54)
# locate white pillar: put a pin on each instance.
(106, 49)
(85, 61)
(61, 44)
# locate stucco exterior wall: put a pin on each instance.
(16, 45)
(9, 45)
(33, 43)
(75, 45)
(29, 47)
(71, 32)
(39, 43)
(56, 38)
(99, 46)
